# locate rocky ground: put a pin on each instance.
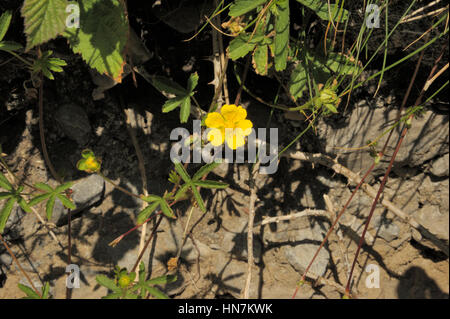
(214, 256)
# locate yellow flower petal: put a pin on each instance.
(216, 136)
(235, 141)
(246, 126)
(214, 119)
(233, 114)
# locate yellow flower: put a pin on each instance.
(228, 126)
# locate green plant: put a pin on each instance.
(124, 286)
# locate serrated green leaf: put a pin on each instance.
(181, 191)
(63, 187)
(260, 59)
(182, 172)
(205, 169)
(172, 104)
(166, 85)
(102, 36)
(165, 208)
(240, 7)
(44, 20)
(155, 292)
(10, 46)
(145, 213)
(320, 7)
(282, 35)
(5, 20)
(339, 63)
(5, 212)
(192, 82)
(49, 206)
(23, 204)
(198, 199)
(242, 45)
(151, 198)
(43, 187)
(66, 202)
(39, 198)
(211, 184)
(4, 183)
(185, 109)
(167, 279)
(45, 290)
(5, 195)
(31, 294)
(108, 283)
(298, 81)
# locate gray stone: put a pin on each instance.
(439, 167)
(386, 228)
(86, 192)
(5, 259)
(74, 122)
(428, 138)
(434, 221)
(300, 256)
(236, 245)
(13, 226)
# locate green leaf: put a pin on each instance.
(320, 7)
(23, 204)
(167, 279)
(331, 107)
(115, 295)
(4, 183)
(5, 212)
(211, 184)
(102, 36)
(31, 294)
(198, 198)
(108, 283)
(5, 20)
(165, 208)
(182, 172)
(260, 59)
(205, 169)
(298, 81)
(192, 82)
(240, 7)
(44, 20)
(145, 213)
(155, 292)
(39, 198)
(49, 206)
(242, 45)
(63, 187)
(5, 195)
(66, 202)
(185, 109)
(45, 290)
(43, 187)
(151, 198)
(339, 63)
(9, 46)
(166, 85)
(172, 104)
(282, 35)
(181, 191)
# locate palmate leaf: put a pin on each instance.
(44, 20)
(4, 183)
(242, 45)
(182, 97)
(282, 35)
(155, 202)
(102, 36)
(155, 292)
(108, 283)
(30, 293)
(240, 7)
(50, 195)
